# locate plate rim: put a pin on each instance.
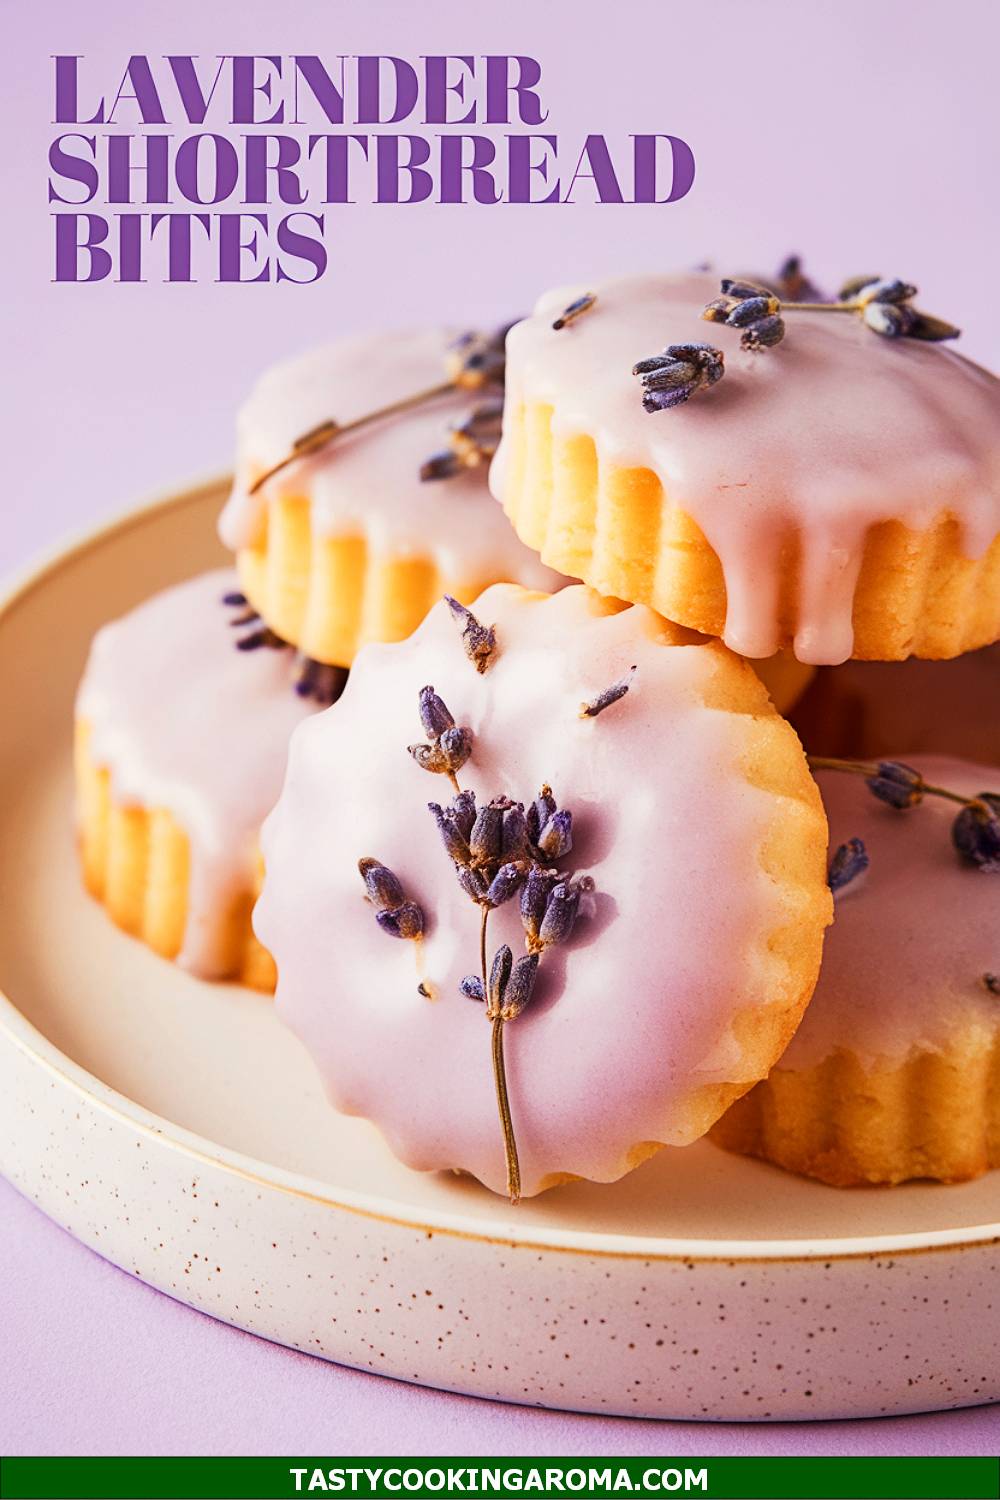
(28, 1040)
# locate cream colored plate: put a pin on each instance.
(178, 1129)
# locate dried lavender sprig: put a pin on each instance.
(325, 432)
(975, 830)
(394, 914)
(319, 681)
(473, 361)
(500, 970)
(263, 637)
(479, 641)
(575, 310)
(671, 378)
(753, 309)
(540, 812)
(849, 861)
(478, 359)
(610, 695)
(406, 921)
(793, 285)
(471, 443)
(891, 781)
(556, 838)
(251, 640)
(453, 836)
(472, 988)
(505, 884)
(447, 756)
(450, 745)
(883, 304)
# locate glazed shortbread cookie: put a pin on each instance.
(350, 544)
(648, 830)
(181, 740)
(895, 1070)
(839, 493)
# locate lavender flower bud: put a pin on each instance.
(575, 309)
(472, 988)
(443, 465)
(849, 861)
(670, 378)
(560, 915)
(556, 838)
(608, 696)
(504, 884)
(718, 310)
(888, 290)
(463, 812)
(434, 715)
(454, 840)
(503, 962)
(931, 330)
(484, 840)
(763, 334)
(407, 921)
(896, 783)
(851, 290)
(534, 899)
(520, 986)
(429, 757)
(540, 812)
(478, 359)
(456, 747)
(752, 309)
(382, 888)
(741, 289)
(976, 832)
(472, 884)
(890, 321)
(514, 833)
(794, 285)
(479, 641)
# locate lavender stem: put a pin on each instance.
(869, 769)
(500, 1078)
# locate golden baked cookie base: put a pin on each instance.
(794, 857)
(936, 1115)
(916, 595)
(329, 595)
(136, 862)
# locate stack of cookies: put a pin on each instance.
(575, 810)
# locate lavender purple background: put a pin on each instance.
(861, 132)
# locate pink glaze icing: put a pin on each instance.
(912, 937)
(368, 483)
(829, 433)
(185, 721)
(636, 1011)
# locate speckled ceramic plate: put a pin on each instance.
(177, 1129)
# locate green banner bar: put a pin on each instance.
(716, 1478)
